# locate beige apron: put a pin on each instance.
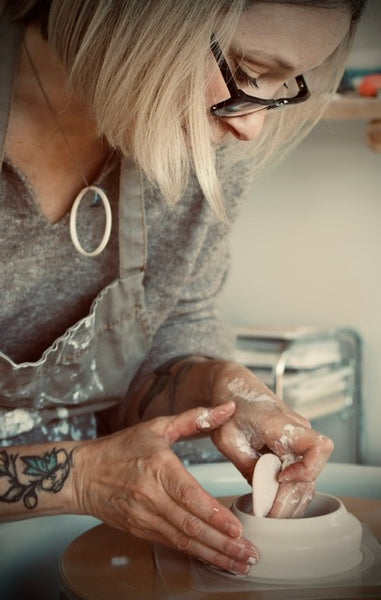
(91, 366)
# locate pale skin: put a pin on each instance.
(131, 479)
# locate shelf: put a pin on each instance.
(352, 106)
(323, 407)
(316, 371)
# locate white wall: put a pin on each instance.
(306, 249)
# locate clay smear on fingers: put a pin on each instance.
(239, 388)
(203, 421)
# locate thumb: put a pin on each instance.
(234, 444)
(198, 420)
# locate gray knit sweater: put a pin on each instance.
(46, 286)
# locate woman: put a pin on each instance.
(120, 174)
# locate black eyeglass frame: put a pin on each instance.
(237, 96)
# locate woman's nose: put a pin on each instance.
(247, 127)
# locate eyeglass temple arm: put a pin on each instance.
(223, 66)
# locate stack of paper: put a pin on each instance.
(317, 377)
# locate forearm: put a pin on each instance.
(189, 382)
(37, 480)
(174, 387)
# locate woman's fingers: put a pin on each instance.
(201, 522)
(292, 500)
(312, 451)
(196, 420)
(189, 533)
(236, 444)
(186, 492)
(234, 558)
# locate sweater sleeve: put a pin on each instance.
(194, 326)
(189, 266)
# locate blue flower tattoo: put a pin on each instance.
(48, 473)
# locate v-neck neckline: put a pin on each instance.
(30, 200)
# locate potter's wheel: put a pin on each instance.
(363, 581)
(106, 563)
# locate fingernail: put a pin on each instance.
(241, 571)
(248, 552)
(227, 406)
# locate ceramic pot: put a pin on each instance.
(325, 542)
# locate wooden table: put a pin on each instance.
(107, 564)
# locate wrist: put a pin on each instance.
(37, 480)
(81, 473)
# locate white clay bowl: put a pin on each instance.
(325, 542)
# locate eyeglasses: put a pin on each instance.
(240, 103)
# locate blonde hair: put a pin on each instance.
(142, 69)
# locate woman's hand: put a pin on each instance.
(132, 480)
(263, 423)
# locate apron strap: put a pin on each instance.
(132, 226)
(11, 34)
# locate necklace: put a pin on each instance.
(98, 192)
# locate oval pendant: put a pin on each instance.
(73, 221)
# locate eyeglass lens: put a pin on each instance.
(264, 87)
